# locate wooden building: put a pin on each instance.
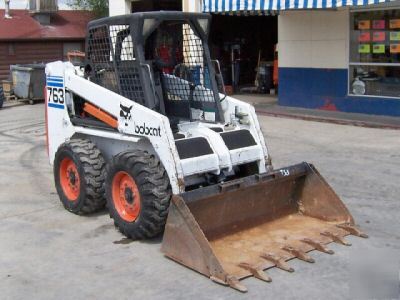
(35, 37)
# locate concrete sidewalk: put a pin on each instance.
(268, 105)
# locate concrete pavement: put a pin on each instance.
(48, 253)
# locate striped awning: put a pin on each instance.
(256, 7)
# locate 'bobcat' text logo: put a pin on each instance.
(125, 113)
(151, 131)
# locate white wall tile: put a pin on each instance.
(294, 26)
(295, 54)
(329, 25)
(329, 54)
(119, 7)
(323, 33)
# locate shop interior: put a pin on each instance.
(155, 5)
(243, 44)
(245, 47)
(375, 53)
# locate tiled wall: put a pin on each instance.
(313, 39)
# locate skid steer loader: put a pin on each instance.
(145, 127)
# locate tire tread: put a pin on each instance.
(155, 191)
(93, 165)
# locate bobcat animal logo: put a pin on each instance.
(125, 113)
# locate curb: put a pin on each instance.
(328, 120)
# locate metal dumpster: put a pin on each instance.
(29, 81)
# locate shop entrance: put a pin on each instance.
(245, 47)
(155, 5)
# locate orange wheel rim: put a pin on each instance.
(69, 179)
(126, 196)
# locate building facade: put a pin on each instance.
(339, 55)
(346, 59)
(25, 39)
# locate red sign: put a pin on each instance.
(365, 36)
(379, 36)
(378, 24)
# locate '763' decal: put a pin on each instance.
(55, 92)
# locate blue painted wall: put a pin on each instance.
(327, 89)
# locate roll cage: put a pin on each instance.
(158, 59)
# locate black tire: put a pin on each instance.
(154, 188)
(90, 166)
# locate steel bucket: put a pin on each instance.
(238, 229)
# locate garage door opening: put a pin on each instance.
(245, 46)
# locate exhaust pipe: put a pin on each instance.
(7, 9)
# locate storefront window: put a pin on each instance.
(375, 53)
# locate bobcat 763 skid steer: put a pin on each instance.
(143, 127)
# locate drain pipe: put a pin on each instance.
(7, 9)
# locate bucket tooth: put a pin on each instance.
(218, 280)
(336, 238)
(278, 261)
(352, 230)
(256, 271)
(298, 253)
(234, 283)
(231, 281)
(317, 245)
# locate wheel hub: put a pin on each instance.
(69, 179)
(129, 195)
(72, 176)
(126, 196)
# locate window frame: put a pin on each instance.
(378, 7)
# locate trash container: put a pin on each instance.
(265, 77)
(29, 81)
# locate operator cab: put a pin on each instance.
(159, 60)
(181, 71)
